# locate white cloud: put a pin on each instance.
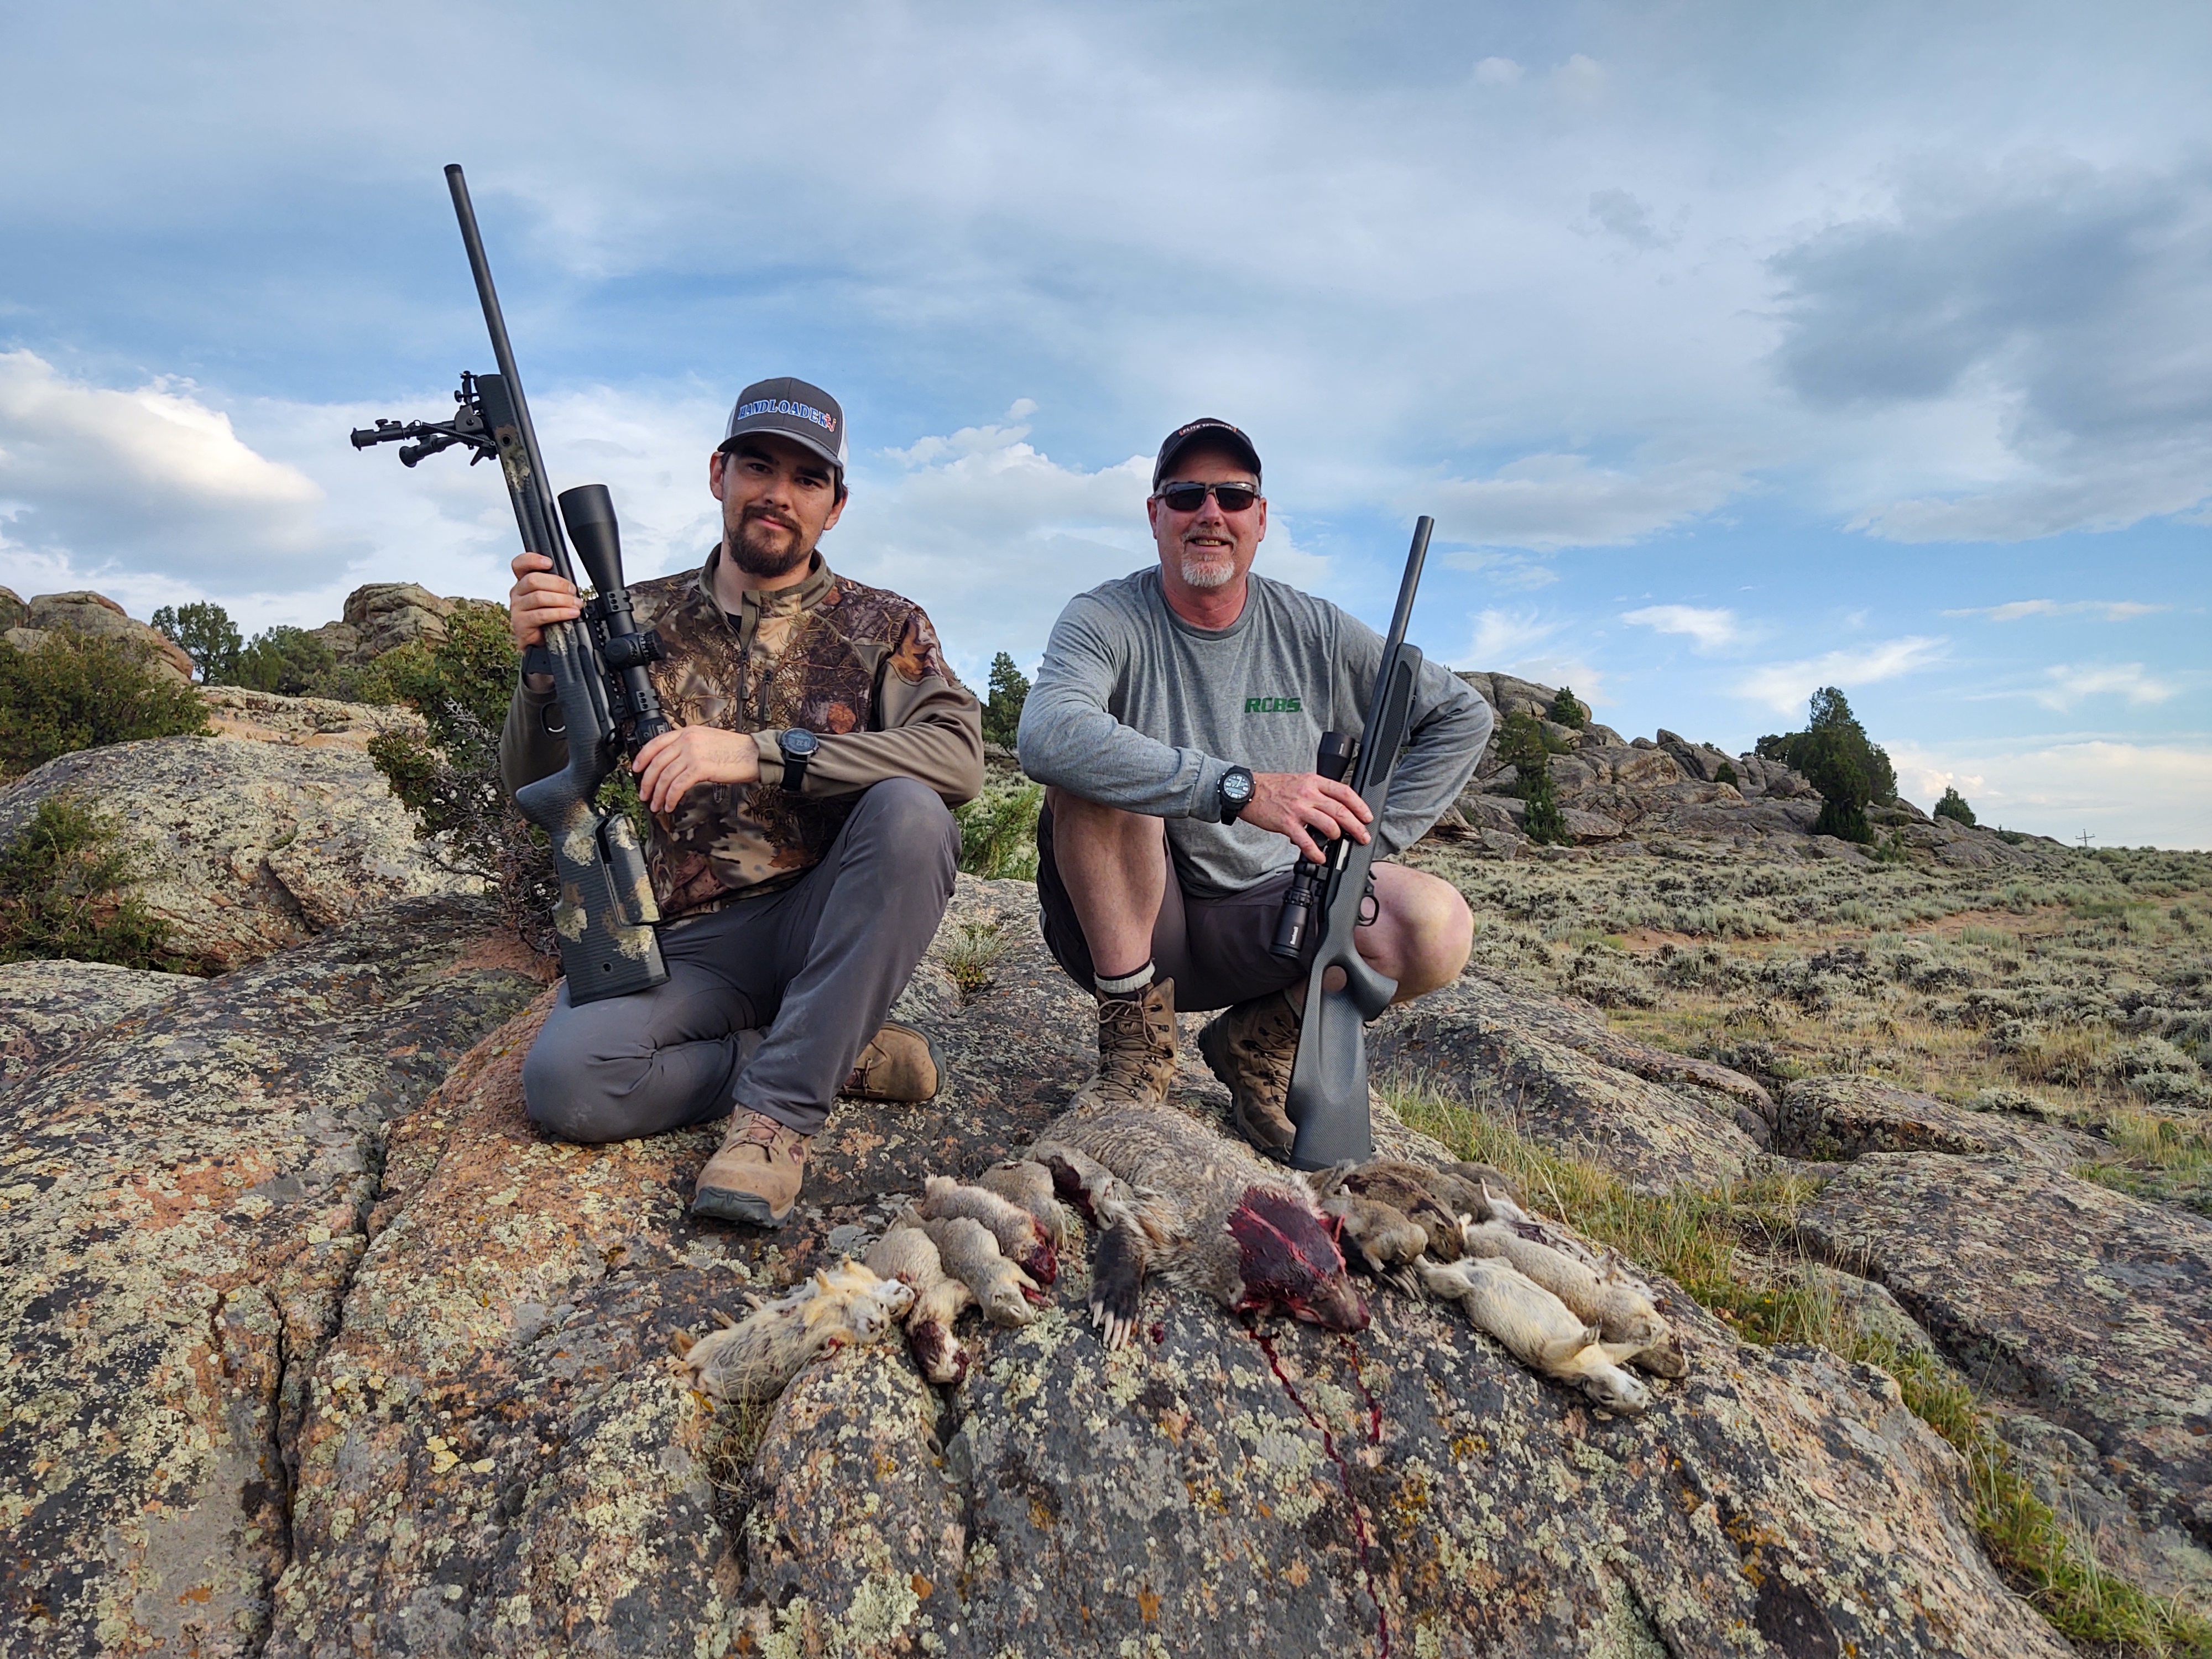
(2110, 609)
(1501, 636)
(1785, 686)
(87, 469)
(1711, 628)
(2144, 794)
(1497, 72)
(2067, 685)
(1549, 501)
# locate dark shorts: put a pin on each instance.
(1215, 950)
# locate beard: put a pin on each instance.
(757, 545)
(1206, 573)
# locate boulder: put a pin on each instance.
(234, 711)
(2087, 1308)
(49, 1007)
(384, 616)
(1589, 827)
(13, 613)
(495, 1454)
(245, 848)
(187, 1202)
(1842, 1117)
(1557, 1075)
(95, 614)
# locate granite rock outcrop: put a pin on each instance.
(309, 1363)
(245, 848)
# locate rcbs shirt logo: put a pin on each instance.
(1273, 706)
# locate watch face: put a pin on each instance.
(800, 743)
(1236, 789)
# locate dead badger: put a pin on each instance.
(844, 1306)
(1172, 1196)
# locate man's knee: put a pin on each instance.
(1074, 818)
(565, 1092)
(1436, 928)
(907, 817)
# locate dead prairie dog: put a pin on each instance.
(1020, 1237)
(1537, 1328)
(1381, 1235)
(753, 1358)
(1030, 1185)
(1628, 1325)
(907, 1255)
(968, 1252)
(1432, 1199)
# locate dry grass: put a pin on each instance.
(968, 957)
(2080, 994)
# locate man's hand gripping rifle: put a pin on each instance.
(608, 706)
(1328, 1079)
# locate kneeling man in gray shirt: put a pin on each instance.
(1174, 724)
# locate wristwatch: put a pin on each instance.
(799, 748)
(1235, 792)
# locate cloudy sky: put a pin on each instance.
(1736, 349)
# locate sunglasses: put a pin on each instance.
(1189, 497)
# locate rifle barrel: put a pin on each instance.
(1410, 582)
(480, 268)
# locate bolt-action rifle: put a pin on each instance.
(608, 708)
(1328, 1097)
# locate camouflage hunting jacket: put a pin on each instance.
(857, 666)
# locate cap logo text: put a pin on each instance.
(784, 407)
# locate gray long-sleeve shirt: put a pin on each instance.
(1136, 708)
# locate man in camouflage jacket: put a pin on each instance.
(801, 850)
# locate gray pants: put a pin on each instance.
(768, 1000)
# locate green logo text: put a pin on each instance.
(1272, 706)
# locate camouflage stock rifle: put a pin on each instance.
(609, 709)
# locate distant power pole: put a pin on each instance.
(2086, 839)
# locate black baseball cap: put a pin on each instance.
(1209, 430)
(790, 409)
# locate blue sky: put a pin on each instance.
(1736, 349)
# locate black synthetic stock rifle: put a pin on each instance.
(609, 709)
(1328, 1079)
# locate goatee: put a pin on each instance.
(756, 560)
(1208, 573)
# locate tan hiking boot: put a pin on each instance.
(757, 1175)
(1250, 1049)
(899, 1065)
(1136, 1048)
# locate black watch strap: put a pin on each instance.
(796, 755)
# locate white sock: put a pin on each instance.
(1128, 985)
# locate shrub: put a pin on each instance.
(1522, 745)
(1953, 806)
(1726, 774)
(74, 691)
(289, 661)
(208, 636)
(1002, 714)
(62, 883)
(449, 779)
(1569, 709)
(998, 831)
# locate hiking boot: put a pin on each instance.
(899, 1065)
(1250, 1049)
(755, 1177)
(1136, 1049)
